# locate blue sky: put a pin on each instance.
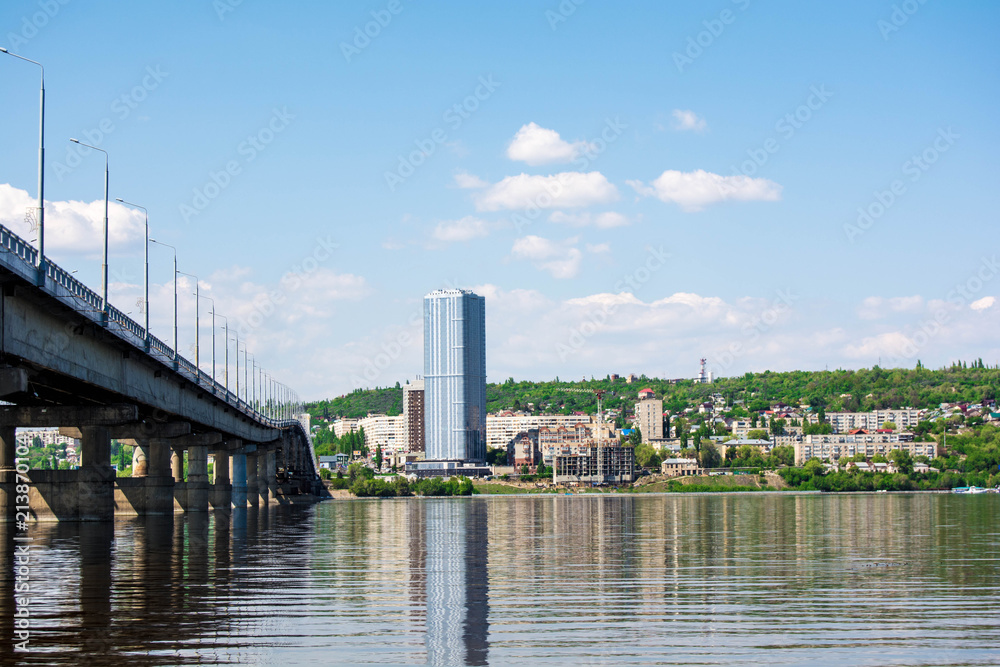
(713, 158)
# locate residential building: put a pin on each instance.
(343, 426)
(455, 376)
(681, 467)
(503, 427)
(563, 441)
(383, 431)
(842, 422)
(649, 417)
(605, 462)
(523, 449)
(833, 447)
(413, 416)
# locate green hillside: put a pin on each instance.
(861, 390)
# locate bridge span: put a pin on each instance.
(72, 361)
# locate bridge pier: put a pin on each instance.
(238, 473)
(197, 479)
(95, 480)
(263, 492)
(253, 496)
(8, 472)
(222, 489)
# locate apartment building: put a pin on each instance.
(649, 417)
(843, 422)
(383, 431)
(681, 467)
(413, 416)
(503, 427)
(833, 447)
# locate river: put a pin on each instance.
(714, 579)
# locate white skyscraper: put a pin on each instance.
(455, 376)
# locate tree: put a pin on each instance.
(636, 436)
(647, 457)
(903, 460)
(889, 426)
(814, 467)
(758, 434)
(378, 454)
(777, 427)
(709, 456)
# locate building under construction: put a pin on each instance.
(607, 462)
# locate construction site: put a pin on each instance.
(601, 462)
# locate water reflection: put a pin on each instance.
(752, 579)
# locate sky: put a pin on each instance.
(632, 186)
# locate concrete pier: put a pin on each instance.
(222, 489)
(238, 474)
(197, 479)
(253, 496)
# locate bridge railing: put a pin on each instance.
(89, 303)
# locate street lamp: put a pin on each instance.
(175, 294)
(104, 266)
(226, 374)
(41, 165)
(146, 276)
(197, 320)
(213, 338)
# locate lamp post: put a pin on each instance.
(213, 335)
(197, 323)
(41, 164)
(175, 294)
(226, 374)
(104, 265)
(146, 257)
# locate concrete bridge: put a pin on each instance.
(72, 361)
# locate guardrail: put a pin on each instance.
(89, 304)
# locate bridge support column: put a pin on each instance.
(272, 473)
(253, 497)
(159, 482)
(140, 458)
(95, 479)
(180, 490)
(222, 489)
(8, 472)
(238, 473)
(263, 490)
(197, 479)
(177, 464)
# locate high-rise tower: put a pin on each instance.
(455, 376)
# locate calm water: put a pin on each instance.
(683, 580)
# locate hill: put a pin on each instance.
(860, 390)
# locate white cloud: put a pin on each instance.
(685, 120)
(570, 189)
(561, 259)
(604, 220)
(469, 181)
(877, 307)
(537, 145)
(983, 304)
(72, 227)
(693, 190)
(892, 344)
(466, 229)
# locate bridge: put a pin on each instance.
(68, 359)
